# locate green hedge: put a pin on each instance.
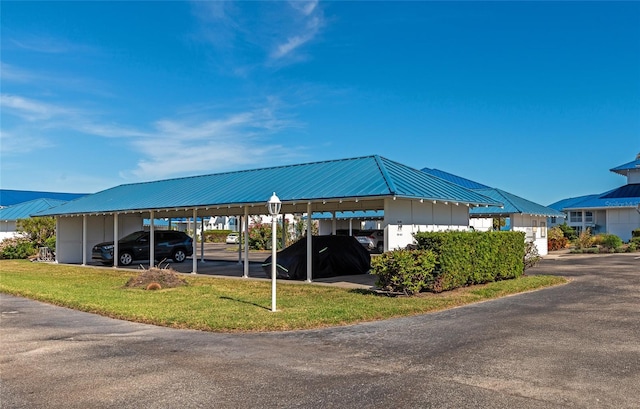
(405, 271)
(216, 236)
(466, 258)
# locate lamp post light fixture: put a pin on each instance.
(274, 204)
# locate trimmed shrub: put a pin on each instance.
(405, 271)
(466, 258)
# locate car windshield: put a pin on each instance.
(134, 236)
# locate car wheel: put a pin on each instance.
(126, 258)
(380, 247)
(179, 256)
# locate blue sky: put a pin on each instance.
(539, 99)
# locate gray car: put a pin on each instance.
(174, 245)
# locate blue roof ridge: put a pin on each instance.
(505, 195)
(385, 175)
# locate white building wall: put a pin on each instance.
(633, 177)
(99, 229)
(481, 223)
(622, 222)
(69, 240)
(535, 229)
(8, 229)
(404, 217)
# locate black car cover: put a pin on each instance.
(331, 256)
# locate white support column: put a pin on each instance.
(115, 240)
(84, 239)
(152, 239)
(333, 223)
(194, 257)
(245, 239)
(350, 227)
(57, 235)
(309, 245)
(239, 223)
(202, 239)
(584, 220)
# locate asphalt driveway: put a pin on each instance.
(572, 346)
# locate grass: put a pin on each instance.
(232, 305)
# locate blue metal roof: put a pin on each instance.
(26, 209)
(624, 169)
(363, 177)
(570, 202)
(458, 180)
(624, 196)
(512, 203)
(10, 197)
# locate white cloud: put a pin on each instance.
(30, 109)
(305, 7)
(196, 143)
(308, 23)
(277, 30)
(13, 143)
(188, 147)
(47, 44)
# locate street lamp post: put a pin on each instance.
(274, 204)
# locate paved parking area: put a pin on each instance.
(222, 260)
(571, 346)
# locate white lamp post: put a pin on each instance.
(274, 204)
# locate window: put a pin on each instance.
(575, 217)
(543, 229)
(588, 217)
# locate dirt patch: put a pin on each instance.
(156, 279)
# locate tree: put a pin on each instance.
(499, 223)
(41, 231)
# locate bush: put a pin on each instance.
(260, 236)
(556, 239)
(635, 233)
(466, 258)
(568, 231)
(585, 240)
(531, 255)
(405, 271)
(16, 248)
(610, 241)
(37, 229)
(215, 236)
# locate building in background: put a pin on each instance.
(616, 211)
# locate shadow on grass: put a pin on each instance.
(246, 302)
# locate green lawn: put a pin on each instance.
(229, 305)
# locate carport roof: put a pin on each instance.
(23, 210)
(512, 204)
(368, 177)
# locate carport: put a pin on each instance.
(411, 200)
